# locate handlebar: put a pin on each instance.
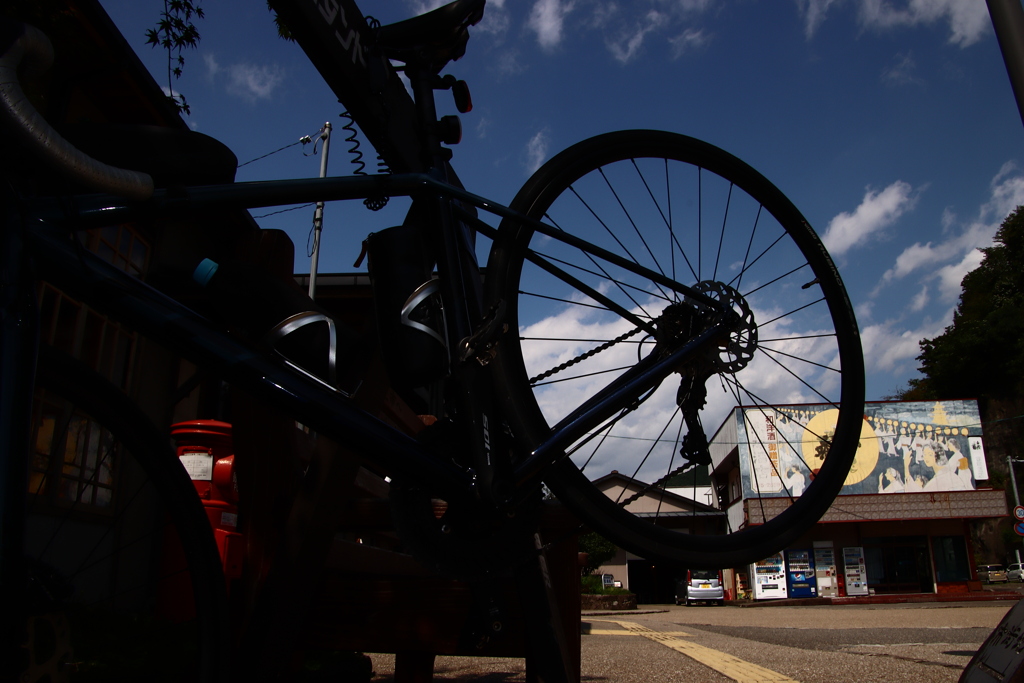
(21, 42)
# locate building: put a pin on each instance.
(655, 582)
(901, 524)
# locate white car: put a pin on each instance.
(1015, 572)
(701, 585)
(992, 573)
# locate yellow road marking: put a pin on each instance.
(726, 664)
(617, 632)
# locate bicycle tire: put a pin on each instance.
(134, 591)
(576, 192)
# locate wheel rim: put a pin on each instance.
(702, 219)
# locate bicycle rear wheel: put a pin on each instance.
(124, 576)
(693, 216)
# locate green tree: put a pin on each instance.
(981, 354)
(598, 549)
(174, 32)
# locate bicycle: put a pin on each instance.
(573, 263)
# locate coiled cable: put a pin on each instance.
(376, 202)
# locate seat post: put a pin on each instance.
(422, 79)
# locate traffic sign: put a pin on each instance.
(1018, 512)
(1019, 528)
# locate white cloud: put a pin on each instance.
(628, 44)
(814, 13)
(254, 82)
(952, 275)
(424, 6)
(602, 15)
(950, 259)
(889, 348)
(537, 150)
(920, 300)
(496, 22)
(877, 211)
(483, 126)
(508, 64)
(212, 66)
(1007, 192)
(968, 19)
(546, 20)
(690, 39)
(902, 71)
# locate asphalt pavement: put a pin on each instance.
(826, 644)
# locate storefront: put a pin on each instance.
(901, 522)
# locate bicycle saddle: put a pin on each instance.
(434, 38)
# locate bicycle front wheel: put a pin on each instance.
(125, 582)
(674, 229)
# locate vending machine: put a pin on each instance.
(825, 569)
(800, 574)
(856, 571)
(769, 578)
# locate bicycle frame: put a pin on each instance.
(63, 262)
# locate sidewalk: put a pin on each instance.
(988, 593)
(986, 596)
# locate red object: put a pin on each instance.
(205, 450)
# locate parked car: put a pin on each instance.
(701, 585)
(992, 573)
(1015, 572)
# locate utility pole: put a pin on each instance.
(318, 214)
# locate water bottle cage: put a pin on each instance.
(420, 295)
(300, 320)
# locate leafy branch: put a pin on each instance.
(174, 32)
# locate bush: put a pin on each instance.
(592, 585)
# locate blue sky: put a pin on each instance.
(890, 124)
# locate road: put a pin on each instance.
(826, 644)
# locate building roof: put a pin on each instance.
(652, 501)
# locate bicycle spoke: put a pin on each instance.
(787, 343)
(611, 305)
(636, 230)
(535, 382)
(790, 313)
(721, 234)
(798, 358)
(604, 275)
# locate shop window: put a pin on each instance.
(74, 459)
(950, 555)
(120, 245)
(71, 326)
(898, 564)
(735, 486)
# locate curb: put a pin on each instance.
(987, 596)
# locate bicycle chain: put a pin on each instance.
(588, 354)
(642, 492)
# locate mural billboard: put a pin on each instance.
(905, 447)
